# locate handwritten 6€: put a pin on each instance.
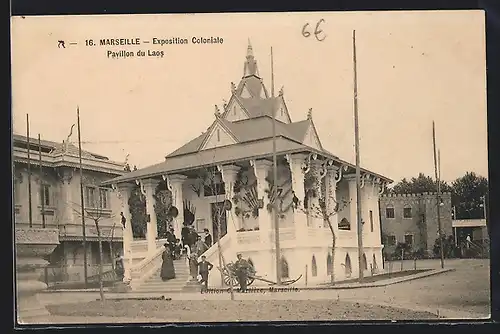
(317, 31)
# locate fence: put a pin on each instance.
(70, 274)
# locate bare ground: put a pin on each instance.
(241, 310)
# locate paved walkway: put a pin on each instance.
(458, 294)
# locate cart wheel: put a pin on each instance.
(227, 278)
(250, 280)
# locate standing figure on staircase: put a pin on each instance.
(167, 267)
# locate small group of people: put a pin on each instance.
(197, 246)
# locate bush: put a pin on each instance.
(449, 248)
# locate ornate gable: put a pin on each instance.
(311, 138)
(245, 92)
(218, 136)
(234, 110)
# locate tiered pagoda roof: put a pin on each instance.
(243, 131)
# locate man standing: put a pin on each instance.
(208, 238)
(242, 267)
(205, 267)
(123, 219)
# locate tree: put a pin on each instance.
(467, 196)
(138, 214)
(96, 214)
(418, 185)
(327, 207)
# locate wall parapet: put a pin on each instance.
(416, 195)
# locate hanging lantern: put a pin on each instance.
(173, 212)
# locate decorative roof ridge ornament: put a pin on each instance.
(280, 93)
(233, 88)
(309, 114)
(217, 112)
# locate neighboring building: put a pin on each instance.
(56, 185)
(412, 219)
(232, 161)
(475, 228)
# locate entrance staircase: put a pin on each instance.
(180, 283)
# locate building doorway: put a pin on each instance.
(218, 216)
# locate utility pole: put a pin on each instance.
(438, 194)
(30, 209)
(358, 169)
(82, 202)
(42, 190)
(275, 185)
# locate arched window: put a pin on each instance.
(348, 268)
(329, 264)
(284, 268)
(314, 267)
(344, 224)
(365, 264)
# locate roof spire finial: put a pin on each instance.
(249, 49)
(309, 114)
(217, 111)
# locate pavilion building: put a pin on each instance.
(53, 169)
(232, 161)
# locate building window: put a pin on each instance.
(281, 111)
(96, 198)
(234, 110)
(103, 198)
(218, 135)
(391, 240)
(409, 240)
(389, 213)
(371, 220)
(45, 195)
(284, 268)
(314, 267)
(407, 212)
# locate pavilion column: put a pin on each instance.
(174, 185)
(297, 165)
(148, 189)
(261, 170)
(333, 176)
(318, 170)
(353, 202)
(229, 173)
(124, 191)
(66, 195)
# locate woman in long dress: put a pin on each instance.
(167, 267)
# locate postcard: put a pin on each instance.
(250, 167)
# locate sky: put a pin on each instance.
(413, 68)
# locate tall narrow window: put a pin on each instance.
(218, 135)
(284, 268)
(103, 198)
(407, 212)
(371, 220)
(45, 195)
(90, 197)
(314, 267)
(389, 213)
(234, 110)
